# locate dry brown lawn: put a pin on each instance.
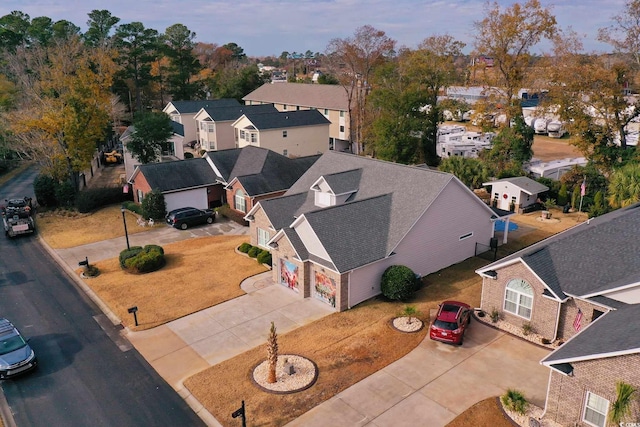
(200, 273)
(65, 229)
(487, 413)
(366, 344)
(193, 280)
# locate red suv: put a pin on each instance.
(451, 321)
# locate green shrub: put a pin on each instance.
(233, 215)
(244, 248)
(563, 195)
(133, 207)
(514, 401)
(254, 251)
(264, 257)
(65, 194)
(154, 205)
(128, 253)
(91, 199)
(495, 315)
(44, 188)
(147, 259)
(398, 282)
(188, 155)
(527, 328)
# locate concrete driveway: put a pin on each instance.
(435, 382)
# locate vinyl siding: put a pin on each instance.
(364, 282)
(434, 241)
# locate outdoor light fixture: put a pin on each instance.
(124, 221)
(492, 273)
(134, 310)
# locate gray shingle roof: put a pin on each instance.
(590, 258)
(234, 112)
(259, 170)
(527, 185)
(178, 175)
(333, 97)
(616, 331)
(186, 107)
(286, 119)
(279, 209)
(344, 182)
(390, 199)
(178, 128)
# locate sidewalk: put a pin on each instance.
(186, 346)
(429, 386)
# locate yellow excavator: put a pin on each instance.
(112, 158)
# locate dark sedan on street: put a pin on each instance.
(184, 218)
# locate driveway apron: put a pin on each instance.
(436, 382)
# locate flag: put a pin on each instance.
(583, 188)
(576, 322)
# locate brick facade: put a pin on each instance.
(570, 311)
(544, 311)
(140, 185)
(249, 201)
(306, 270)
(567, 394)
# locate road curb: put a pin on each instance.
(5, 411)
(80, 283)
(184, 393)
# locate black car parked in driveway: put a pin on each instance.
(184, 218)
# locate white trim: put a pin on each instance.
(519, 294)
(586, 406)
(608, 291)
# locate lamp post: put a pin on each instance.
(124, 221)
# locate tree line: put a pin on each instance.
(62, 92)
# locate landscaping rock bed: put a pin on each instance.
(305, 375)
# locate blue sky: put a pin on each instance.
(269, 27)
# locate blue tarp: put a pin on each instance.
(500, 226)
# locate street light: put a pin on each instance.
(124, 221)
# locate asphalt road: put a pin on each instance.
(88, 373)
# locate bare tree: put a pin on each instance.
(507, 37)
(624, 34)
(353, 61)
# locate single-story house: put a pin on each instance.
(291, 133)
(581, 287)
(515, 194)
(348, 218)
(251, 174)
(190, 182)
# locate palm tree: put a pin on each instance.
(272, 353)
(624, 186)
(622, 405)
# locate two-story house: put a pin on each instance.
(184, 112)
(214, 124)
(291, 133)
(331, 100)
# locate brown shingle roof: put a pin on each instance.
(333, 97)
